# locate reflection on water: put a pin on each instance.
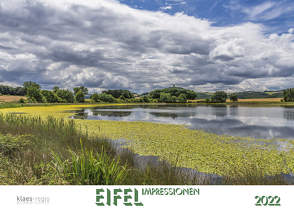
(289, 115)
(258, 122)
(93, 115)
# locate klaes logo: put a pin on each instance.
(127, 197)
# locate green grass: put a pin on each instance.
(34, 150)
(89, 168)
(10, 105)
(28, 147)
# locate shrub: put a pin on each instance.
(21, 100)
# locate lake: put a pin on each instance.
(257, 122)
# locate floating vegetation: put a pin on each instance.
(205, 152)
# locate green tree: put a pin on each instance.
(174, 99)
(65, 95)
(219, 97)
(165, 98)
(146, 99)
(95, 97)
(173, 91)
(81, 88)
(50, 96)
(20, 91)
(106, 98)
(182, 98)
(55, 89)
(28, 84)
(79, 96)
(103, 97)
(7, 90)
(34, 95)
(120, 93)
(234, 97)
(289, 95)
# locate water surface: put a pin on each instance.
(257, 122)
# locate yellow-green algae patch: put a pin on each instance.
(206, 152)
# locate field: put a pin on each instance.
(10, 98)
(181, 147)
(260, 100)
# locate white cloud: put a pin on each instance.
(169, 7)
(104, 44)
(259, 9)
(263, 12)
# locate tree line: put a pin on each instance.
(167, 95)
(7, 90)
(35, 94)
(221, 97)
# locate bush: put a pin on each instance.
(21, 100)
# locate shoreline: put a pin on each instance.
(180, 146)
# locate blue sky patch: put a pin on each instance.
(278, 16)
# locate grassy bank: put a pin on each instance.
(54, 151)
(205, 152)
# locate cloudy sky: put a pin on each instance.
(140, 45)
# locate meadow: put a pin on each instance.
(238, 162)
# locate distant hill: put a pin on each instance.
(266, 94)
(203, 95)
(246, 94)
